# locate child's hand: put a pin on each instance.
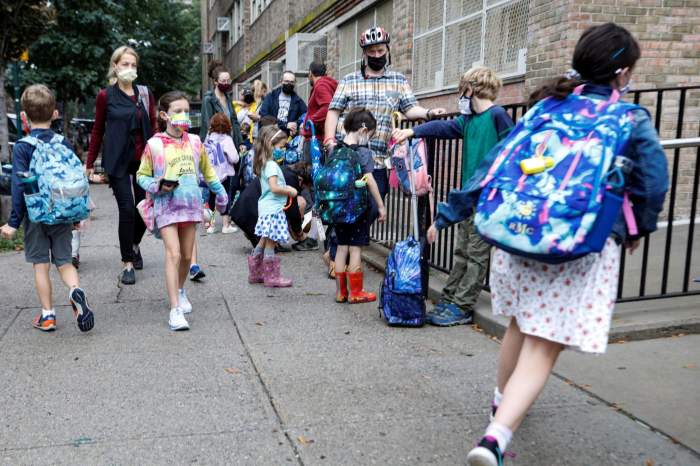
(167, 188)
(7, 231)
(400, 135)
(292, 192)
(382, 214)
(431, 235)
(632, 245)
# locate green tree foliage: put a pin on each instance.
(73, 57)
(21, 22)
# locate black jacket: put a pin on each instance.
(271, 105)
(210, 106)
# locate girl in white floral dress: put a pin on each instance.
(569, 305)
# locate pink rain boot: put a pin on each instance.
(271, 273)
(255, 269)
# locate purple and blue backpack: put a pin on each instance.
(556, 186)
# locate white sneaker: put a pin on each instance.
(229, 229)
(211, 229)
(177, 320)
(182, 302)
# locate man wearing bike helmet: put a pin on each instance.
(379, 90)
(382, 92)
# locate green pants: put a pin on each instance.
(471, 258)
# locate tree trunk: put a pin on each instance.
(4, 151)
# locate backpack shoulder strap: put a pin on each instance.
(31, 140)
(144, 98)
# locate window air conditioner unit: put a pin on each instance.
(302, 49)
(271, 73)
(521, 66)
(223, 24)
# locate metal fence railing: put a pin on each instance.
(667, 261)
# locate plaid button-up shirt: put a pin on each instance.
(381, 95)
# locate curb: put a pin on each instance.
(375, 255)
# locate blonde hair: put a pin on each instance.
(268, 136)
(259, 90)
(116, 57)
(38, 102)
(484, 81)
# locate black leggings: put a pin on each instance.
(131, 226)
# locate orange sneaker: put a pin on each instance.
(45, 324)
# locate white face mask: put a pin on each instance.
(465, 107)
(127, 75)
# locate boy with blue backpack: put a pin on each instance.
(481, 126)
(341, 195)
(50, 193)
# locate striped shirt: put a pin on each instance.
(381, 95)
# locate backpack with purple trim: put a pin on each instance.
(556, 186)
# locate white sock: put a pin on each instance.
(501, 433)
(46, 313)
(497, 397)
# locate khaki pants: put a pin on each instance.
(471, 257)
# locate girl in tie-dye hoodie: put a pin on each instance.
(169, 172)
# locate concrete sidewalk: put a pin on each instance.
(267, 376)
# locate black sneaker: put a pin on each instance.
(486, 453)
(82, 312)
(128, 277)
(309, 244)
(138, 260)
(76, 261)
(282, 248)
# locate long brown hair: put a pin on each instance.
(268, 136)
(600, 52)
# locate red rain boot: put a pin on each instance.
(341, 287)
(357, 293)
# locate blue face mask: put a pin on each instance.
(278, 155)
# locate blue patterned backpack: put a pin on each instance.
(63, 187)
(338, 198)
(550, 194)
(401, 300)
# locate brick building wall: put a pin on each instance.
(668, 31)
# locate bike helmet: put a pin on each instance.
(373, 36)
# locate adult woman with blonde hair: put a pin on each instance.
(125, 116)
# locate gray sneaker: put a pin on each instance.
(309, 244)
(128, 277)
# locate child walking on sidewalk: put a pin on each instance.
(223, 156)
(169, 172)
(34, 157)
(359, 127)
(272, 228)
(554, 305)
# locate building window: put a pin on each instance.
(350, 53)
(257, 7)
(236, 22)
(451, 36)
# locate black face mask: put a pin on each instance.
(377, 63)
(288, 89)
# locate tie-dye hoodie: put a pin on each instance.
(183, 160)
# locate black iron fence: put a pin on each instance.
(667, 261)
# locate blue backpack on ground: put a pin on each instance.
(401, 298)
(63, 188)
(338, 198)
(555, 188)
